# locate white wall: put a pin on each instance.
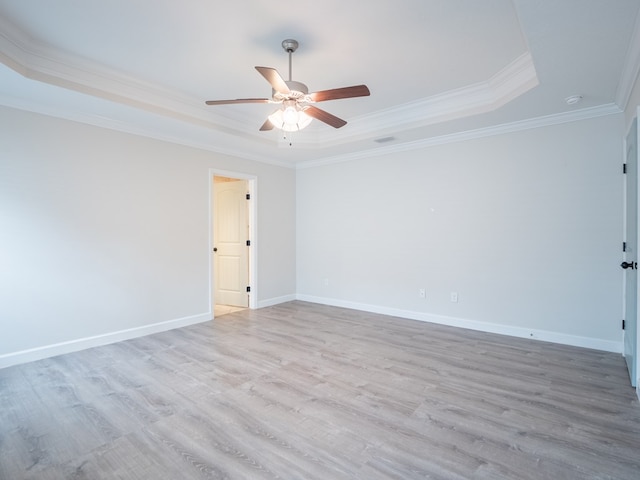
(103, 232)
(526, 227)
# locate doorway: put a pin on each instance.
(231, 243)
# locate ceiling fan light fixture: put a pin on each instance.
(290, 118)
(295, 112)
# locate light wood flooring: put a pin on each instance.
(220, 310)
(304, 391)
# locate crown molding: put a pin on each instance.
(544, 121)
(631, 68)
(130, 128)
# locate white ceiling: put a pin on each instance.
(437, 69)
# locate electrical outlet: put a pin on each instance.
(454, 297)
(326, 282)
(422, 293)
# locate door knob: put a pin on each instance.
(215, 249)
(631, 265)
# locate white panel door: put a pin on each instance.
(230, 235)
(631, 255)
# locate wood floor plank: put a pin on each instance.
(306, 391)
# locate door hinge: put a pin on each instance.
(248, 196)
(624, 246)
(623, 324)
(624, 168)
(248, 289)
(248, 243)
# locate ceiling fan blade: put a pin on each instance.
(267, 125)
(275, 79)
(325, 117)
(239, 100)
(338, 93)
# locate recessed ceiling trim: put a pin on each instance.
(41, 63)
(515, 79)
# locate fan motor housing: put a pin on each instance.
(297, 86)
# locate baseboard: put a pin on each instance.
(542, 335)
(47, 351)
(276, 300)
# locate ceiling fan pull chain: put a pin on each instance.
(288, 136)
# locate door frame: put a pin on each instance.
(252, 186)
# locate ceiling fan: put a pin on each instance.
(296, 110)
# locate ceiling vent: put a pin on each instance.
(384, 139)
